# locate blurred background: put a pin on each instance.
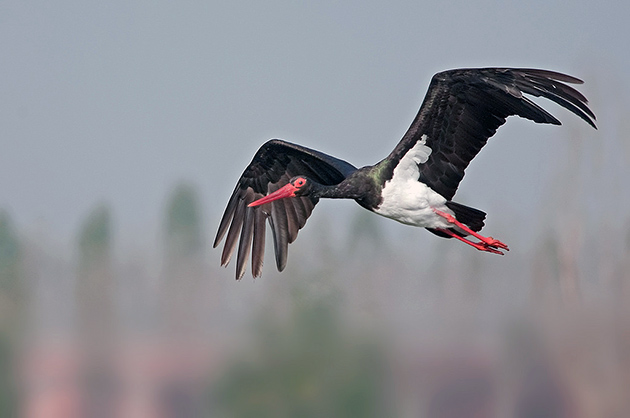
(124, 126)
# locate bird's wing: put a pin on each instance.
(275, 163)
(463, 108)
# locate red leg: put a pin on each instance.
(481, 246)
(489, 241)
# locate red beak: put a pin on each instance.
(283, 192)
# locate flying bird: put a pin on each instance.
(414, 184)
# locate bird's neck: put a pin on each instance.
(360, 186)
(347, 189)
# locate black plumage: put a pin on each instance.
(461, 110)
(275, 163)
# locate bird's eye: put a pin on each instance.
(300, 182)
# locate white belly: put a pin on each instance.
(412, 204)
(407, 200)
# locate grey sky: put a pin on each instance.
(117, 101)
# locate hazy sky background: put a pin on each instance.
(118, 101)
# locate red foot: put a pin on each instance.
(487, 243)
(494, 243)
(481, 246)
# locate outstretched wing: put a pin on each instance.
(275, 163)
(463, 108)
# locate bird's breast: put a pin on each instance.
(406, 199)
(412, 202)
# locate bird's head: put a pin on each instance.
(297, 186)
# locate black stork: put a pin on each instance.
(414, 185)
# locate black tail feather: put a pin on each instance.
(468, 216)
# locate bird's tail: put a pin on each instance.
(471, 217)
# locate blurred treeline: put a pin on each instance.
(367, 320)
